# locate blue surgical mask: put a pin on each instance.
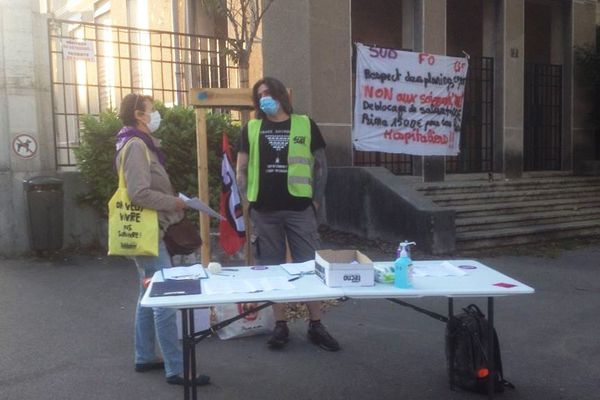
(268, 105)
(154, 121)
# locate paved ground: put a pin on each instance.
(66, 333)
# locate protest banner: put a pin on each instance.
(408, 102)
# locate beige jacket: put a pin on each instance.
(148, 184)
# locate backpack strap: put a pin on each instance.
(432, 314)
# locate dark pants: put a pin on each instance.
(271, 228)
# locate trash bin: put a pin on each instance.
(44, 196)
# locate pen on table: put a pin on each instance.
(229, 269)
(294, 278)
(162, 272)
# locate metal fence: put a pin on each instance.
(477, 129)
(543, 117)
(162, 64)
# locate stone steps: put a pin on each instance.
(532, 206)
(481, 185)
(525, 219)
(513, 195)
(529, 234)
(529, 210)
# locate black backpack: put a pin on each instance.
(466, 352)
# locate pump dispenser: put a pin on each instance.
(403, 267)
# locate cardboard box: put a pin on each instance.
(338, 268)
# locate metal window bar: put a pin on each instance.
(477, 129)
(161, 63)
(543, 117)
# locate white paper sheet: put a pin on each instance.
(443, 268)
(226, 286)
(299, 268)
(196, 204)
(192, 272)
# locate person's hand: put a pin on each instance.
(180, 204)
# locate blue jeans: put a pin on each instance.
(156, 323)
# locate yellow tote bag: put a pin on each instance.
(132, 230)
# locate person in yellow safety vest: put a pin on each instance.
(282, 172)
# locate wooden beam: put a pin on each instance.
(221, 97)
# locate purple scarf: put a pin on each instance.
(129, 132)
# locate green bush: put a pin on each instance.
(177, 132)
(95, 156)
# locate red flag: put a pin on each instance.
(232, 233)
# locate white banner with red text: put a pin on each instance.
(408, 102)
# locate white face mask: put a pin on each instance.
(154, 121)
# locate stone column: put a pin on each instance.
(306, 44)
(578, 91)
(25, 112)
(408, 24)
(430, 37)
(509, 82)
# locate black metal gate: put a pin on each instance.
(542, 123)
(477, 129)
(162, 64)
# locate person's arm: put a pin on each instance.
(138, 180)
(319, 176)
(242, 174)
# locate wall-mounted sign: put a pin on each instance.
(24, 145)
(74, 49)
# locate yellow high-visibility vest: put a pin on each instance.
(300, 158)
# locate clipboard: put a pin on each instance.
(180, 287)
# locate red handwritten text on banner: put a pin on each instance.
(408, 102)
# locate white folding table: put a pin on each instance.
(479, 281)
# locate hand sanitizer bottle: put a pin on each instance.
(406, 246)
(401, 274)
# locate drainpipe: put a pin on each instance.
(176, 37)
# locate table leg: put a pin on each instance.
(450, 353)
(187, 348)
(192, 354)
(490, 349)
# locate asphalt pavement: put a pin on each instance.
(66, 332)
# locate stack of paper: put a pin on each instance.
(299, 268)
(193, 272)
(254, 285)
(443, 268)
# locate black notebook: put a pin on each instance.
(176, 288)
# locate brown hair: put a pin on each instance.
(129, 105)
(277, 90)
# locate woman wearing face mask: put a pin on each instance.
(282, 171)
(148, 185)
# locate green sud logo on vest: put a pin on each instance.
(299, 139)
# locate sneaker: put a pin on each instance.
(319, 336)
(145, 367)
(279, 337)
(200, 380)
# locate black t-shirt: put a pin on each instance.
(273, 143)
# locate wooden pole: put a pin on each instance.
(202, 151)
